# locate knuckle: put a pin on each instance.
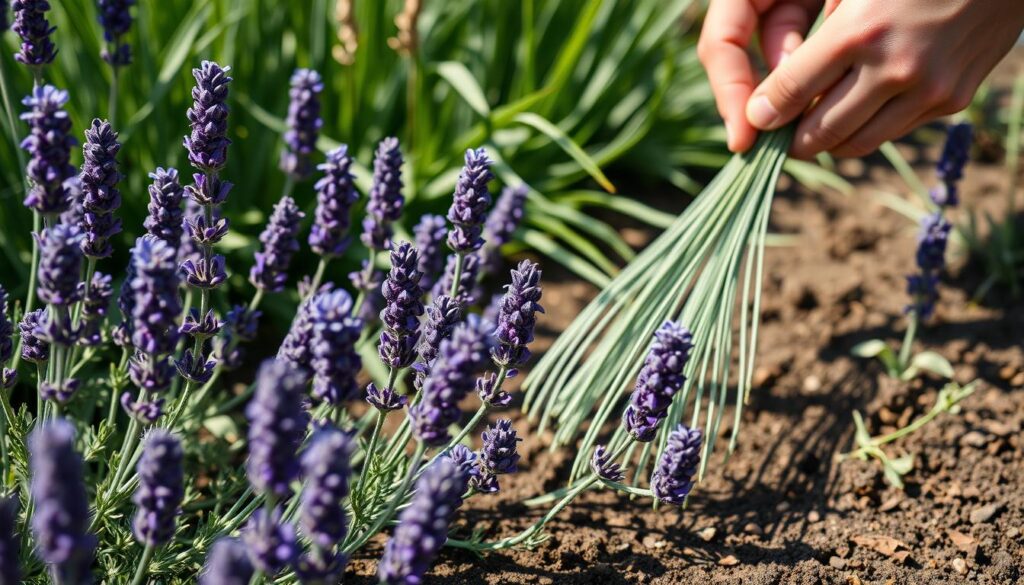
(938, 91)
(826, 136)
(960, 100)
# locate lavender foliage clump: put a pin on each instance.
(470, 203)
(10, 572)
(602, 464)
(950, 168)
(31, 25)
(161, 488)
(673, 475)
(333, 354)
(325, 472)
(658, 381)
(60, 265)
(429, 234)
(49, 148)
(208, 143)
(386, 199)
(277, 426)
(280, 242)
(501, 223)
(401, 314)
(166, 216)
(335, 196)
(423, 526)
(99, 178)
(60, 520)
(33, 348)
(116, 18)
(227, 564)
(517, 316)
(270, 541)
(304, 123)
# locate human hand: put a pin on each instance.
(873, 71)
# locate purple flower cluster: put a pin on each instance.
(208, 143)
(429, 234)
(401, 314)
(31, 25)
(295, 348)
(277, 426)
(227, 564)
(498, 456)
(280, 242)
(271, 543)
(100, 197)
(335, 196)
(304, 123)
(950, 168)
(116, 18)
(470, 203)
(60, 265)
(156, 306)
(166, 217)
(386, 199)
(6, 330)
(33, 347)
(95, 305)
(658, 381)
(673, 475)
(10, 573)
(60, 521)
(161, 488)
(325, 472)
(517, 316)
(931, 260)
(604, 466)
(501, 223)
(332, 347)
(423, 526)
(49, 148)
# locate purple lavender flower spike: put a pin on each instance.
(60, 264)
(193, 368)
(673, 475)
(334, 358)
(280, 242)
(466, 459)
(31, 25)
(931, 247)
(161, 488)
(386, 200)
(75, 213)
(60, 521)
(208, 143)
(295, 349)
(335, 196)
(101, 198)
(950, 168)
(270, 541)
(429, 234)
(325, 472)
(517, 316)
(658, 381)
(33, 348)
(144, 411)
(277, 426)
(10, 543)
(304, 123)
(116, 18)
(166, 217)
(59, 392)
(384, 399)
(924, 292)
(603, 465)
(205, 274)
(470, 203)
(49, 148)
(401, 314)
(423, 526)
(501, 224)
(156, 304)
(94, 308)
(227, 564)
(499, 455)
(469, 289)
(442, 316)
(449, 381)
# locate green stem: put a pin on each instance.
(318, 276)
(396, 499)
(127, 450)
(115, 389)
(30, 298)
(457, 275)
(112, 99)
(370, 450)
(367, 275)
(908, 341)
(147, 556)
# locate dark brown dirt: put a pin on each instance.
(783, 509)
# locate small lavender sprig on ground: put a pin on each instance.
(303, 122)
(277, 426)
(325, 472)
(386, 200)
(423, 526)
(60, 520)
(673, 475)
(470, 203)
(116, 18)
(280, 242)
(501, 223)
(270, 541)
(658, 381)
(429, 234)
(31, 25)
(161, 488)
(517, 316)
(227, 564)
(931, 260)
(335, 196)
(333, 355)
(101, 198)
(166, 216)
(10, 573)
(49, 148)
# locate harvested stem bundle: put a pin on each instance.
(691, 274)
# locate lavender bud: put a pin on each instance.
(101, 198)
(150, 372)
(210, 190)
(156, 304)
(429, 234)
(200, 326)
(470, 203)
(603, 465)
(280, 242)
(468, 290)
(33, 348)
(166, 217)
(304, 123)
(467, 461)
(227, 564)
(205, 274)
(204, 232)
(270, 541)
(384, 399)
(61, 392)
(423, 526)
(49, 148)
(188, 249)
(94, 308)
(490, 391)
(499, 455)
(116, 18)
(10, 544)
(31, 25)
(335, 196)
(277, 426)
(923, 290)
(295, 349)
(402, 293)
(672, 479)
(60, 264)
(386, 200)
(60, 520)
(658, 381)
(517, 316)
(161, 488)
(208, 143)
(931, 243)
(442, 316)
(146, 412)
(334, 358)
(501, 224)
(325, 473)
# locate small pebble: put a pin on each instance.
(812, 384)
(707, 534)
(974, 439)
(836, 563)
(813, 516)
(984, 513)
(960, 566)
(752, 528)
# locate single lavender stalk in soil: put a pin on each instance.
(270, 541)
(116, 18)
(10, 572)
(161, 488)
(950, 168)
(304, 123)
(658, 381)
(49, 148)
(277, 426)
(280, 242)
(166, 216)
(501, 223)
(332, 343)
(60, 520)
(673, 475)
(227, 564)
(325, 473)
(429, 234)
(31, 25)
(423, 526)
(101, 198)
(335, 196)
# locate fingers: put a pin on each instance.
(783, 31)
(728, 29)
(817, 65)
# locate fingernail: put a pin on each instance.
(783, 57)
(762, 114)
